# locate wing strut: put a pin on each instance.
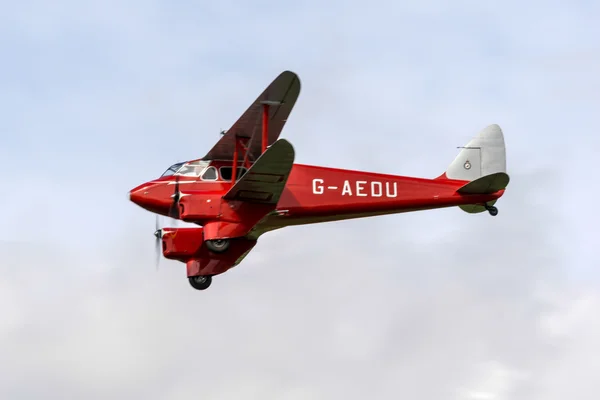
(265, 122)
(239, 141)
(265, 181)
(241, 145)
(265, 126)
(235, 158)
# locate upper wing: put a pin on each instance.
(284, 91)
(265, 180)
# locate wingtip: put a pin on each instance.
(284, 142)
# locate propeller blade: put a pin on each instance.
(174, 210)
(157, 244)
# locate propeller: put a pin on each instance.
(173, 213)
(157, 244)
(174, 209)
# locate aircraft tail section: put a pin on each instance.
(484, 155)
(482, 163)
(485, 185)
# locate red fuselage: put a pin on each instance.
(312, 194)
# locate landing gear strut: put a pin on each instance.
(218, 245)
(200, 282)
(492, 210)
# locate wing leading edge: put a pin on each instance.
(282, 93)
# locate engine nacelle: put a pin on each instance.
(181, 243)
(207, 263)
(199, 208)
(187, 245)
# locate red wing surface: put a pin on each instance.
(282, 93)
(265, 180)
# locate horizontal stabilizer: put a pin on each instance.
(486, 184)
(265, 180)
(476, 208)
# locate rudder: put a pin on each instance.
(484, 155)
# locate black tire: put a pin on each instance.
(493, 211)
(200, 282)
(218, 245)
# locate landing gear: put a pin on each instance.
(200, 282)
(218, 245)
(492, 210)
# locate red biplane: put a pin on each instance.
(248, 184)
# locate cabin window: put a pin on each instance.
(210, 174)
(226, 172)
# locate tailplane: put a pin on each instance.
(487, 184)
(482, 163)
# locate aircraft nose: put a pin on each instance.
(134, 196)
(151, 196)
(138, 195)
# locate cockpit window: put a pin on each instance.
(210, 174)
(192, 169)
(172, 169)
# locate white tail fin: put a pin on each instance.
(484, 155)
(482, 162)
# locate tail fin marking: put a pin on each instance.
(484, 155)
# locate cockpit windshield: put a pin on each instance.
(192, 169)
(172, 169)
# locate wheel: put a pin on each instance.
(493, 211)
(200, 282)
(218, 245)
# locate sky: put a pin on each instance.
(97, 98)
